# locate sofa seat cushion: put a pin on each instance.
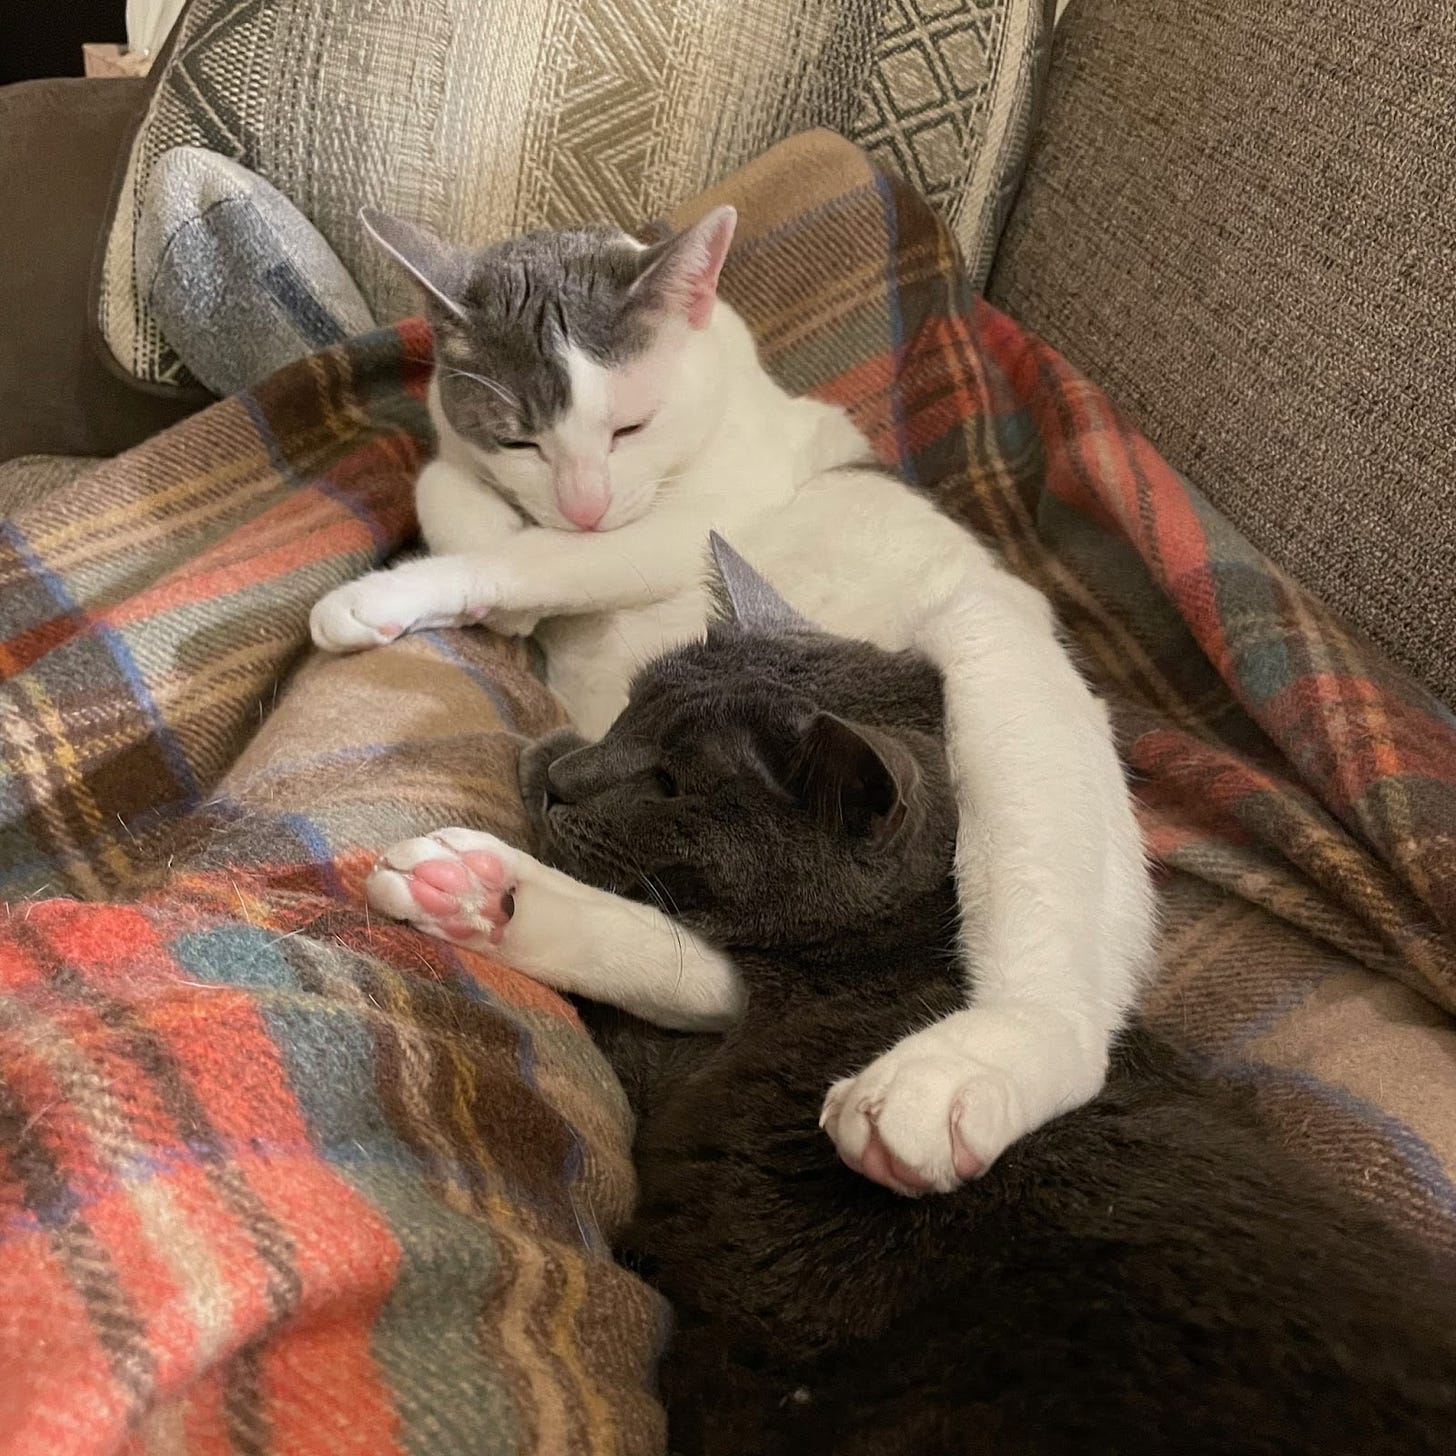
(59, 144)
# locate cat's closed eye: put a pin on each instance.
(629, 430)
(517, 444)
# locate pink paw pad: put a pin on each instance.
(880, 1165)
(389, 629)
(498, 903)
(463, 930)
(877, 1163)
(967, 1164)
(443, 874)
(467, 896)
(431, 900)
(485, 866)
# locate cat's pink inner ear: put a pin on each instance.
(715, 236)
(683, 275)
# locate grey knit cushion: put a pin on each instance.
(239, 281)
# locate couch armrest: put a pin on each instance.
(60, 142)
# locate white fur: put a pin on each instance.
(1049, 863)
(568, 935)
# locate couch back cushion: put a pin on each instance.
(485, 118)
(1240, 219)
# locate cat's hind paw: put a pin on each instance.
(942, 1105)
(456, 884)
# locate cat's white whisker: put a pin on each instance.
(494, 385)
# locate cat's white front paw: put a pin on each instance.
(456, 884)
(386, 604)
(942, 1105)
(364, 613)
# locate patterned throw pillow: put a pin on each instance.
(483, 118)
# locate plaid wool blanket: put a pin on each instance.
(276, 1178)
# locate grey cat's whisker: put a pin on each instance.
(631, 650)
(662, 899)
(659, 892)
(636, 570)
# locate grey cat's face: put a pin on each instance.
(570, 361)
(778, 785)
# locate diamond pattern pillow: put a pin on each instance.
(484, 118)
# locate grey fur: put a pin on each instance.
(504, 316)
(741, 726)
(744, 597)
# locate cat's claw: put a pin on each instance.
(874, 1160)
(945, 1103)
(456, 884)
(923, 1146)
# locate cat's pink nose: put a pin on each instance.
(585, 514)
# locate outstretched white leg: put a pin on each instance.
(479, 892)
(1056, 903)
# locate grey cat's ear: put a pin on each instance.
(682, 274)
(439, 268)
(743, 596)
(854, 779)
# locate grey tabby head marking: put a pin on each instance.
(742, 596)
(505, 315)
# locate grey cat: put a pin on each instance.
(1147, 1274)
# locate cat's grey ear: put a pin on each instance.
(744, 597)
(681, 275)
(855, 780)
(440, 269)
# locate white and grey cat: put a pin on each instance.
(600, 410)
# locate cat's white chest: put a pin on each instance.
(591, 660)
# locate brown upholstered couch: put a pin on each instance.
(1238, 218)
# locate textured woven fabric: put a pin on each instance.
(278, 1176)
(1240, 221)
(240, 282)
(61, 141)
(31, 478)
(485, 118)
(273, 1175)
